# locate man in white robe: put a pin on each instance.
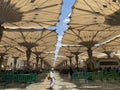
(52, 79)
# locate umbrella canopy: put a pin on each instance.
(14, 52)
(28, 40)
(115, 42)
(73, 49)
(109, 47)
(88, 38)
(29, 13)
(70, 51)
(93, 22)
(96, 15)
(4, 50)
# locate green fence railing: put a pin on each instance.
(20, 78)
(95, 75)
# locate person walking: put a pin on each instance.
(52, 78)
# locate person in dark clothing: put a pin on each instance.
(71, 72)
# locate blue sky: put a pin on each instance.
(64, 19)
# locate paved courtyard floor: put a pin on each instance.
(64, 83)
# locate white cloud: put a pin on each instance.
(66, 20)
(60, 38)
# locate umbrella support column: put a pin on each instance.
(1, 31)
(28, 54)
(90, 64)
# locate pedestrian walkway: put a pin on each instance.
(64, 83)
(60, 84)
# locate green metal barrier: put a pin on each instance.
(6, 77)
(27, 78)
(20, 78)
(95, 75)
(80, 75)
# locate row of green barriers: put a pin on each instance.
(20, 78)
(95, 75)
